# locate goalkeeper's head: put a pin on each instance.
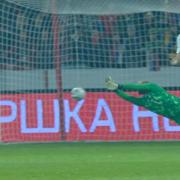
(143, 82)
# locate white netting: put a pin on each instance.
(100, 6)
(42, 53)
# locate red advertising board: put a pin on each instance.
(102, 116)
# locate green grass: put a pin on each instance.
(90, 161)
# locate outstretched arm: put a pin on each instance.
(111, 85)
(135, 87)
(118, 89)
(128, 97)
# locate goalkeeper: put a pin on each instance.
(152, 97)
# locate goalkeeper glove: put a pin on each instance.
(110, 84)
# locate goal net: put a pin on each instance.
(49, 47)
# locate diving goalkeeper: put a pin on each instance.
(152, 97)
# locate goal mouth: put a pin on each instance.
(48, 48)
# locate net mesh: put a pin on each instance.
(44, 55)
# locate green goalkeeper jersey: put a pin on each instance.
(154, 98)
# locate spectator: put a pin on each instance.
(132, 47)
(152, 51)
(117, 51)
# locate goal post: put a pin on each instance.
(49, 47)
(57, 55)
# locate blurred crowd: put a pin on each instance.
(35, 40)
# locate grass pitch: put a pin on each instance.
(90, 161)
